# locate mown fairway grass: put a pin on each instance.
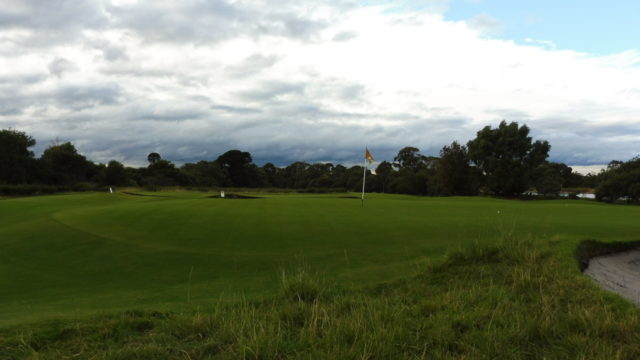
(71, 257)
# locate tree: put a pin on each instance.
(620, 181)
(547, 179)
(237, 162)
(296, 175)
(339, 177)
(384, 172)
(115, 174)
(271, 173)
(507, 157)
(319, 175)
(353, 178)
(163, 173)
(16, 160)
(550, 177)
(153, 158)
(64, 164)
(454, 175)
(205, 173)
(408, 157)
(415, 172)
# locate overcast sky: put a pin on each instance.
(317, 80)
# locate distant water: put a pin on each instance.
(566, 194)
(581, 195)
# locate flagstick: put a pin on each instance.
(364, 179)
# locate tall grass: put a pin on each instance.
(510, 300)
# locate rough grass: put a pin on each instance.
(514, 299)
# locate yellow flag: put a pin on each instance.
(368, 156)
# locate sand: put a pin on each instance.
(619, 273)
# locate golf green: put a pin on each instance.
(80, 254)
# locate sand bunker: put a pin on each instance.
(618, 272)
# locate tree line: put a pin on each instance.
(502, 161)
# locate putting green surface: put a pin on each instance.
(79, 254)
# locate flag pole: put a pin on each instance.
(364, 178)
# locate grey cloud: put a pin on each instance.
(279, 121)
(269, 136)
(510, 115)
(205, 22)
(172, 115)
(13, 102)
(83, 97)
(189, 20)
(200, 22)
(75, 98)
(345, 36)
(577, 141)
(60, 65)
(114, 53)
(290, 132)
(338, 90)
(196, 128)
(52, 21)
(51, 14)
(271, 91)
(235, 109)
(485, 24)
(9, 108)
(251, 66)
(110, 51)
(294, 27)
(21, 80)
(135, 70)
